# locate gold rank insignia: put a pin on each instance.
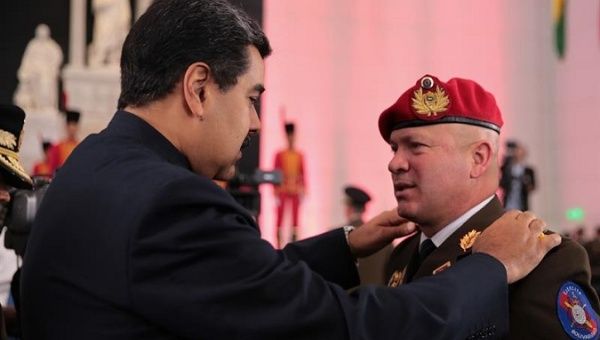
(396, 278)
(430, 102)
(466, 242)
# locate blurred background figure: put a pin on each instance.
(371, 269)
(355, 202)
(43, 168)
(61, 151)
(578, 234)
(290, 162)
(38, 74)
(593, 249)
(517, 178)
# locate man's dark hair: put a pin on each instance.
(173, 34)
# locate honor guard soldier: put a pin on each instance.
(444, 136)
(43, 167)
(290, 161)
(62, 150)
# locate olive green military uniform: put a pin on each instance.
(533, 300)
(371, 269)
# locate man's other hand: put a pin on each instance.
(378, 232)
(517, 240)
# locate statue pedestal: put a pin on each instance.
(94, 92)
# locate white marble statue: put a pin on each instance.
(38, 74)
(112, 19)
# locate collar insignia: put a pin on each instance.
(466, 242)
(396, 278)
(431, 102)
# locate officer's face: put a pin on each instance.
(430, 172)
(231, 117)
(72, 129)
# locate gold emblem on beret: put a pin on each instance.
(8, 140)
(430, 103)
(396, 279)
(466, 242)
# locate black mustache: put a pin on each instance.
(247, 141)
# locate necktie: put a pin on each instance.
(426, 248)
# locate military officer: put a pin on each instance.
(445, 172)
(355, 203)
(370, 268)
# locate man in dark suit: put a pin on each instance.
(518, 179)
(445, 173)
(134, 240)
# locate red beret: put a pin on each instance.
(431, 101)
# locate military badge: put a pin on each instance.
(441, 268)
(576, 315)
(396, 278)
(466, 242)
(430, 103)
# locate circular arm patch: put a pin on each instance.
(577, 317)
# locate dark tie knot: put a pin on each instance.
(426, 248)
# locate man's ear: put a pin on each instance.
(481, 156)
(195, 80)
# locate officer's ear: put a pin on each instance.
(194, 85)
(481, 158)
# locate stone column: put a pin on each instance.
(77, 43)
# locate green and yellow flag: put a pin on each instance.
(559, 14)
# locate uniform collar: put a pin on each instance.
(448, 230)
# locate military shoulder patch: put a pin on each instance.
(577, 317)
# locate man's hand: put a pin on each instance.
(517, 240)
(378, 232)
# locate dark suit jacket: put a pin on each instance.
(532, 300)
(129, 243)
(527, 184)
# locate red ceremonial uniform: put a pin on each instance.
(43, 168)
(60, 152)
(291, 164)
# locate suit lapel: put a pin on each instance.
(450, 251)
